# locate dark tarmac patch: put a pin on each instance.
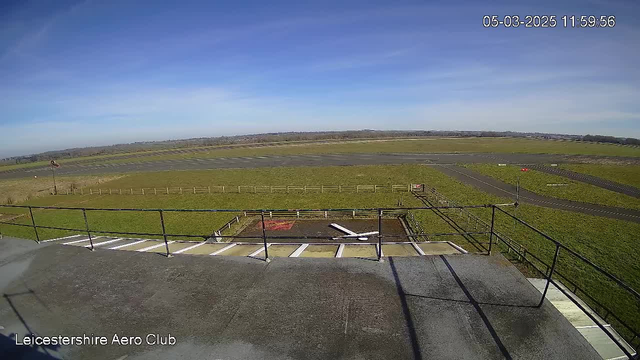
(304, 227)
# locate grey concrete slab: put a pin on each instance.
(290, 308)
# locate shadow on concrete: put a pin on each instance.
(476, 306)
(469, 302)
(407, 313)
(8, 347)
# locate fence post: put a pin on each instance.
(493, 217)
(194, 189)
(120, 191)
(223, 189)
(379, 235)
(357, 188)
(167, 191)
(100, 191)
(264, 238)
(86, 224)
(238, 189)
(553, 266)
(339, 188)
(142, 191)
(164, 233)
(35, 228)
(180, 191)
(155, 191)
(110, 191)
(131, 191)
(90, 191)
(322, 189)
(209, 187)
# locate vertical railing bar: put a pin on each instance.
(553, 266)
(493, 217)
(379, 235)
(33, 222)
(264, 238)
(86, 224)
(164, 234)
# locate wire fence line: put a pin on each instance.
(239, 189)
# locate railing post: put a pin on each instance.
(264, 238)
(379, 235)
(86, 224)
(164, 233)
(493, 218)
(553, 266)
(35, 228)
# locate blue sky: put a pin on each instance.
(82, 73)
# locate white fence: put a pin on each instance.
(241, 189)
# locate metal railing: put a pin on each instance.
(239, 189)
(548, 272)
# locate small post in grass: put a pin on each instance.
(164, 233)
(35, 228)
(86, 224)
(264, 238)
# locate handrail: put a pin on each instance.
(379, 214)
(572, 252)
(253, 210)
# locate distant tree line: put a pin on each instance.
(611, 139)
(296, 136)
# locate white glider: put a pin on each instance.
(351, 234)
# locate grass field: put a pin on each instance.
(624, 174)
(609, 243)
(428, 145)
(536, 181)
(14, 191)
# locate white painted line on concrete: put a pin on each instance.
(340, 250)
(125, 245)
(299, 250)
(62, 238)
(592, 326)
(457, 247)
(418, 249)
(189, 248)
(255, 253)
(77, 241)
(155, 246)
(223, 249)
(104, 242)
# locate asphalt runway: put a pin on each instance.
(590, 179)
(299, 160)
(499, 188)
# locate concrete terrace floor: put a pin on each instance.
(442, 307)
